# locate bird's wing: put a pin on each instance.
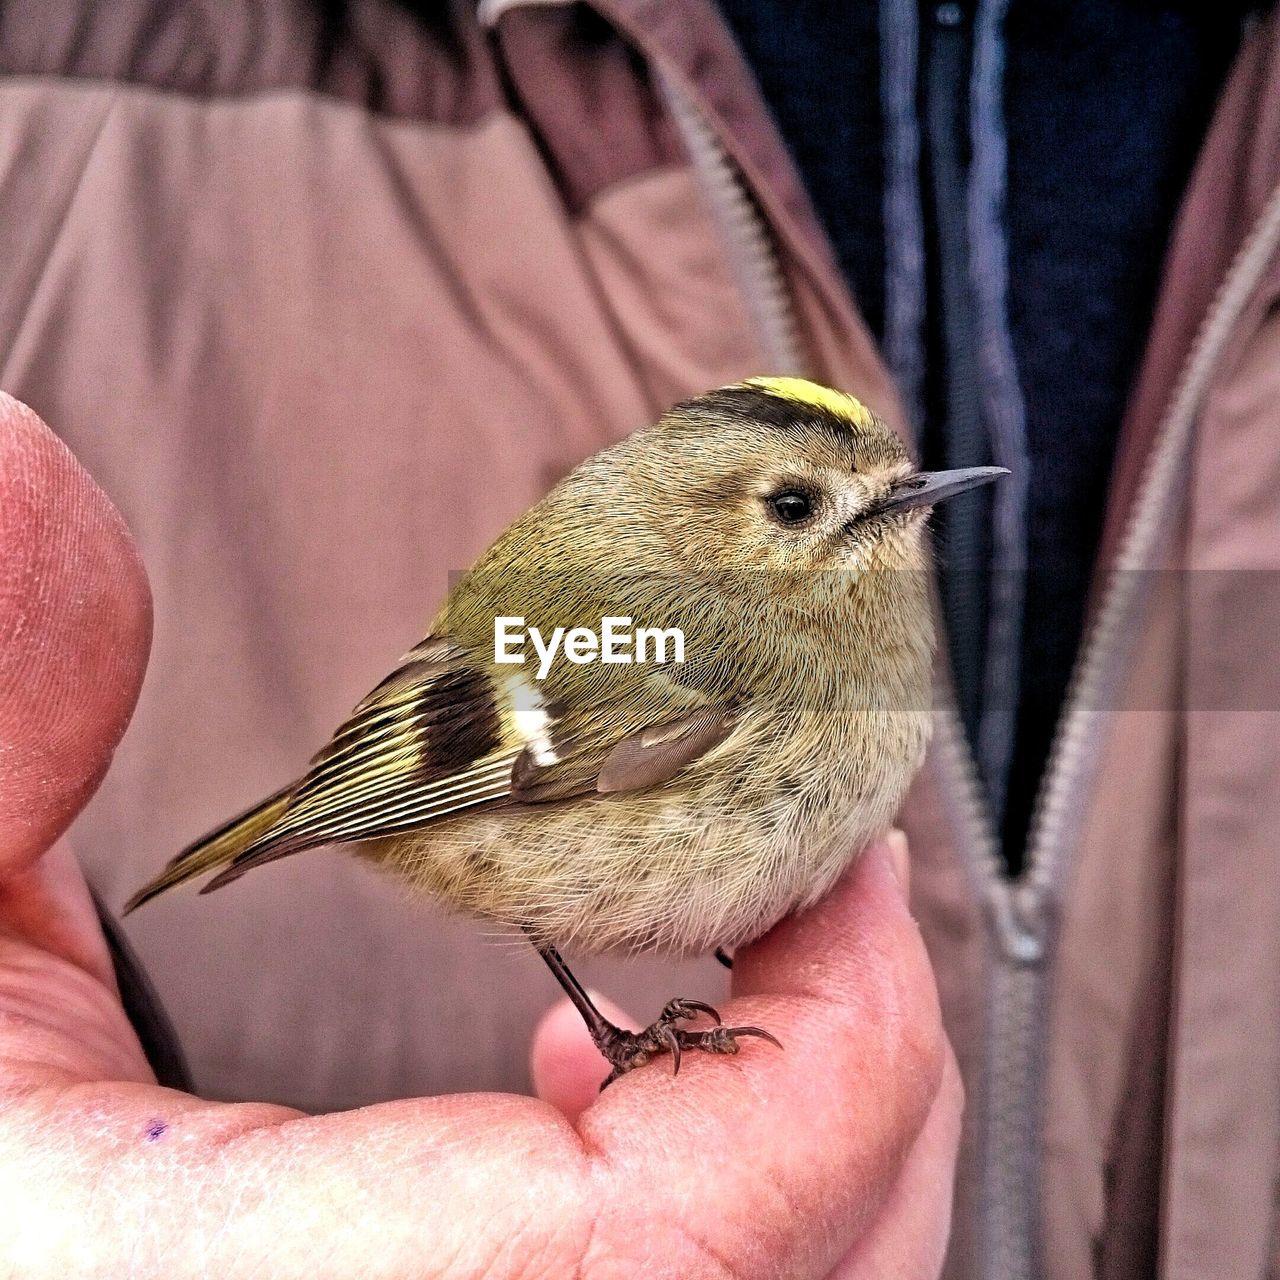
(432, 739)
(444, 733)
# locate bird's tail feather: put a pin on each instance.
(217, 849)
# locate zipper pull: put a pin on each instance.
(1019, 918)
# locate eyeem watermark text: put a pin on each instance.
(615, 642)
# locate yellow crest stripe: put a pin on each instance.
(802, 391)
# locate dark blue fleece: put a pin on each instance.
(1105, 105)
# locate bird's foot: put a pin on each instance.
(625, 1050)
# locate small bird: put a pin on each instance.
(666, 708)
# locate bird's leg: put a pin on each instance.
(624, 1049)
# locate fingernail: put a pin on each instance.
(899, 859)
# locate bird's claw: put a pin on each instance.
(679, 1009)
(626, 1050)
(723, 1039)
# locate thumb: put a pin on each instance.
(75, 627)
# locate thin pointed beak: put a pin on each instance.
(927, 488)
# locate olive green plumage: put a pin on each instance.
(679, 805)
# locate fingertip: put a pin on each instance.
(865, 910)
(75, 627)
(565, 1066)
(859, 949)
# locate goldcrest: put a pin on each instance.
(667, 707)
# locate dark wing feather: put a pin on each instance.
(425, 743)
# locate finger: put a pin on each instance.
(74, 633)
(909, 1239)
(789, 1154)
(565, 1065)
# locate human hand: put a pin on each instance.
(768, 1164)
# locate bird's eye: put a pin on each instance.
(791, 506)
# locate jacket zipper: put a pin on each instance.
(743, 230)
(1019, 911)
